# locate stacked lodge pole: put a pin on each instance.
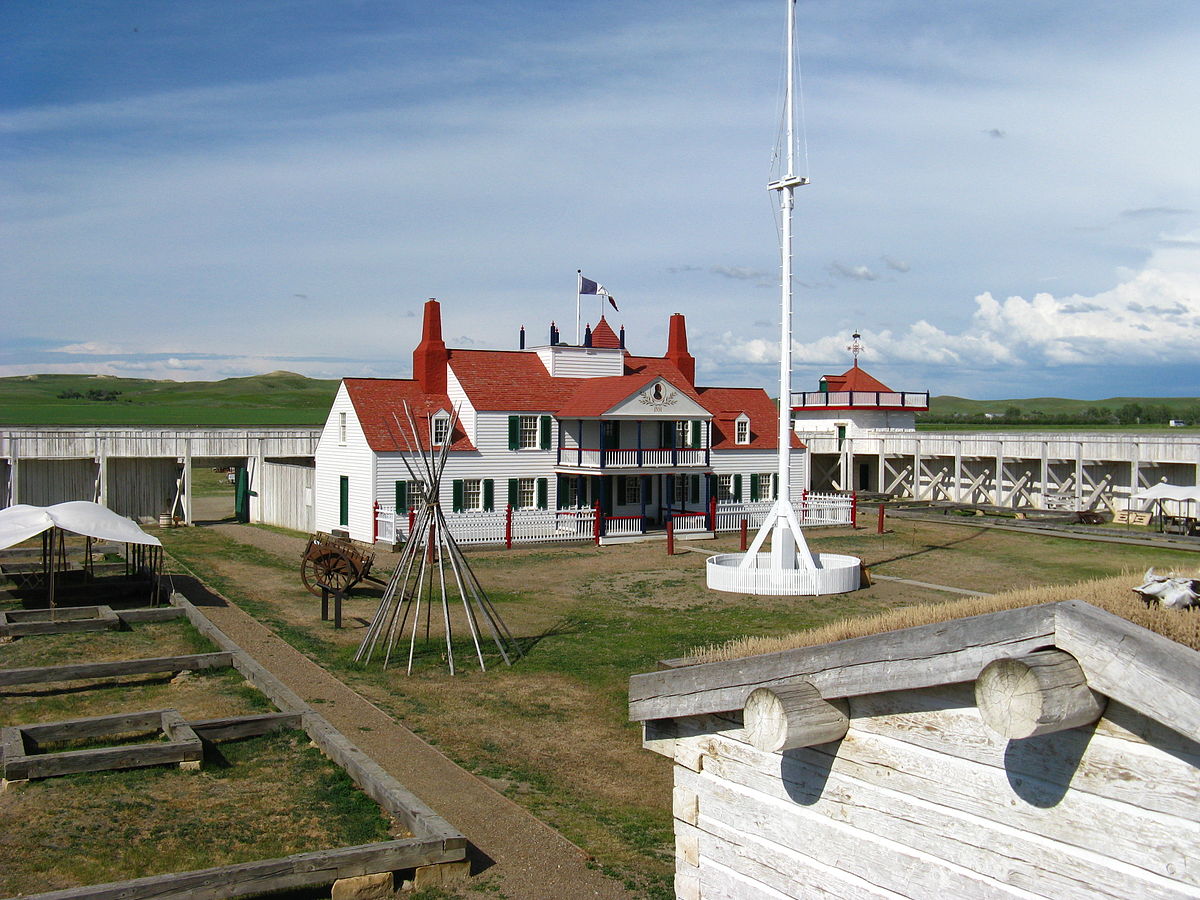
(422, 571)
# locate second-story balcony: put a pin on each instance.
(596, 458)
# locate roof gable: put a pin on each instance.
(634, 397)
(379, 404)
(855, 379)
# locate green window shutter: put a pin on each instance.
(489, 494)
(344, 500)
(458, 495)
(543, 492)
(545, 432)
(775, 483)
(513, 493)
(695, 488)
(401, 496)
(561, 492)
(713, 484)
(695, 434)
(514, 432)
(737, 488)
(754, 492)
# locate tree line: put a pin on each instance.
(93, 394)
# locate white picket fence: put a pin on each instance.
(541, 525)
(479, 527)
(812, 510)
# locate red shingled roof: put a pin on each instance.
(855, 379)
(379, 402)
(595, 396)
(726, 404)
(509, 380)
(604, 336)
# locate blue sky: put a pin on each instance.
(1005, 197)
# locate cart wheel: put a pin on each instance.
(330, 569)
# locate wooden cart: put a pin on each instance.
(337, 563)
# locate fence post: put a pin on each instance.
(412, 520)
(375, 522)
(854, 509)
(670, 537)
(712, 514)
(744, 545)
(508, 527)
(596, 527)
(879, 527)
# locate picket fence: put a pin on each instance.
(527, 526)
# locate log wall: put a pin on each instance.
(921, 799)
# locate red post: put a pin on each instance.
(744, 544)
(879, 527)
(712, 514)
(412, 521)
(508, 527)
(853, 509)
(375, 522)
(670, 537)
(596, 522)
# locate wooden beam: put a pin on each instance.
(245, 726)
(793, 715)
(925, 656)
(72, 672)
(1039, 693)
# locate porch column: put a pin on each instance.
(579, 449)
(600, 425)
(643, 481)
(639, 455)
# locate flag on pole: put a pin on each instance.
(612, 300)
(587, 286)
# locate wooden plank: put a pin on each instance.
(945, 793)
(12, 743)
(150, 614)
(1136, 667)
(299, 870)
(927, 655)
(1108, 761)
(94, 726)
(72, 672)
(130, 756)
(245, 726)
(878, 830)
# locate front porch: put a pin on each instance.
(587, 446)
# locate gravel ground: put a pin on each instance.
(514, 854)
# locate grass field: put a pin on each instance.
(259, 798)
(552, 732)
(280, 398)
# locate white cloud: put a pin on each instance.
(92, 348)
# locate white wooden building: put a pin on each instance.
(1051, 751)
(554, 427)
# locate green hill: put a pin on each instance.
(1035, 411)
(278, 398)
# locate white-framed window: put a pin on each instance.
(441, 430)
(724, 488)
(342, 428)
(527, 493)
(683, 433)
(678, 490)
(741, 430)
(529, 432)
(633, 490)
(472, 493)
(766, 485)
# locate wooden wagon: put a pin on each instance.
(336, 563)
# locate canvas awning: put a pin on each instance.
(21, 522)
(1164, 491)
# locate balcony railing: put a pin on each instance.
(632, 457)
(913, 400)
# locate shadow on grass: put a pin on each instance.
(195, 591)
(929, 548)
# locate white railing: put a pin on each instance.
(620, 458)
(812, 510)
(689, 523)
(632, 458)
(491, 527)
(623, 526)
(841, 399)
(660, 457)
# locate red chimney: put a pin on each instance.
(430, 357)
(677, 349)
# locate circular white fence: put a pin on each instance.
(835, 574)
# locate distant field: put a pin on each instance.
(280, 398)
(1126, 413)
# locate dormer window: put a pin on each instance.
(741, 429)
(441, 430)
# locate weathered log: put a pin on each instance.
(1039, 693)
(787, 716)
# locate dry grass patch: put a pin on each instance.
(144, 640)
(255, 799)
(1113, 594)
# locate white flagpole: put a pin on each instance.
(578, 295)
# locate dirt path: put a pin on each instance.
(515, 852)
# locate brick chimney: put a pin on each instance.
(677, 349)
(430, 357)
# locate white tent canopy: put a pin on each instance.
(19, 523)
(1164, 491)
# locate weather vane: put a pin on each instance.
(855, 346)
